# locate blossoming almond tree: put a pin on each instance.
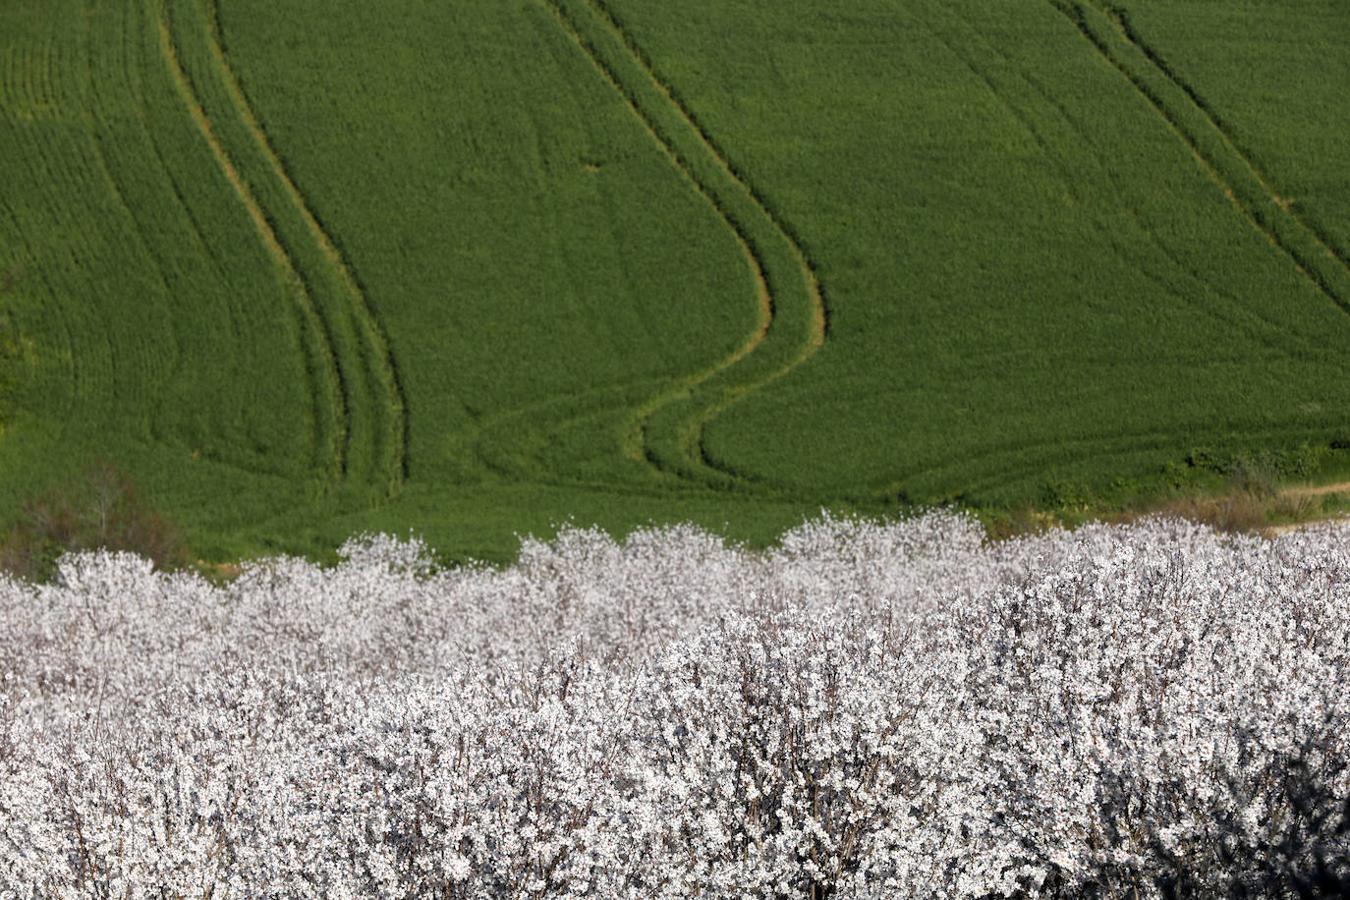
(867, 711)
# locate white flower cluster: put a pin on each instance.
(866, 712)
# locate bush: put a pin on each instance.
(102, 511)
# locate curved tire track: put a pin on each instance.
(759, 234)
(271, 243)
(973, 47)
(368, 399)
(389, 377)
(1121, 18)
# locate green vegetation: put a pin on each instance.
(1059, 290)
(478, 269)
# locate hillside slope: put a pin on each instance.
(479, 269)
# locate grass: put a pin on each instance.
(479, 271)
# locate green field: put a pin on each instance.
(475, 269)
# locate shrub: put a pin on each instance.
(102, 511)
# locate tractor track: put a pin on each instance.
(753, 225)
(267, 235)
(1240, 180)
(365, 387)
(389, 376)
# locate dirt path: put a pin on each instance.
(1316, 490)
(1308, 491)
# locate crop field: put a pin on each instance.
(478, 269)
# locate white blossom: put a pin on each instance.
(867, 711)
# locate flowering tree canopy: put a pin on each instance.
(866, 711)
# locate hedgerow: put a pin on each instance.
(865, 711)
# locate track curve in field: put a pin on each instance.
(270, 241)
(368, 397)
(388, 375)
(792, 325)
